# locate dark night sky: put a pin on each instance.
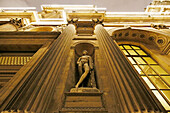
(111, 5)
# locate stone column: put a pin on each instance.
(130, 93)
(34, 91)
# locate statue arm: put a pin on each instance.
(78, 61)
(90, 62)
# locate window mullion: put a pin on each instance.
(154, 84)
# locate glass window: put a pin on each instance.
(151, 86)
(166, 78)
(161, 99)
(124, 51)
(158, 69)
(134, 47)
(131, 60)
(16, 60)
(158, 82)
(139, 60)
(155, 76)
(132, 52)
(121, 47)
(140, 52)
(166, 94)
(127, 47)
(138, 69)
(149, 60)
(147, 69)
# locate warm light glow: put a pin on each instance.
(154, 75)
(17, 8)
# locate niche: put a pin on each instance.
(90, 80)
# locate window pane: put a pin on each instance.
(3, 60)
(134, 47)
(132, 52)
(151, 86)
(166, 93)
(158, 82)
(161, 99)
(147, 69)
(127, 46)
(124, 51)
(166, 78)
(131, 60)
(139, 60)
(140, 52)
(158, 69)
(138, 69)
(121, 47)
(0, 59)
(149, 60)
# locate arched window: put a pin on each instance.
(155, 76)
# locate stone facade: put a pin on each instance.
(39, 51)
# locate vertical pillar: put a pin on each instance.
(130, 91)
(34, 91)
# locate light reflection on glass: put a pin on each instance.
(134, 47)
(124, 51)
(132, 52)
(161, 99)
(166, 94)
(121, 47)
(148, 82)
(156, 78)
(131, 60)
(127, 47)
(158, 82)
(158, 69)
(139, 60)
(166, 78)
(149, 60)
(147, 69)
(140, 52)
(138, 69)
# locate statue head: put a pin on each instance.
(85, 52)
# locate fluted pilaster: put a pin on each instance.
(130, 91)
(34, 91)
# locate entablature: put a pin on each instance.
(58, 15)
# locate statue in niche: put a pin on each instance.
(85, 66)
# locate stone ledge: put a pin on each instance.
(84, 90)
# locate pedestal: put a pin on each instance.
(83, 100)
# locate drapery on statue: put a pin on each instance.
(84, 62)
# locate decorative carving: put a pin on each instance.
(72, 21)
(142, 36)
(17, 22)
(120, 34)
(151, 38)
(127, 34)
(159, 26)
(161, 41)
(52, 14)
(98, 21)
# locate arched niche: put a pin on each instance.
(84, 46)
(90, 80)
(156, 39)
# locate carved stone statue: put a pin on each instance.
(84, 63)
